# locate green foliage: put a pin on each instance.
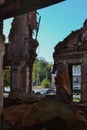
(45, 83)
(6, 75)
(41, 70)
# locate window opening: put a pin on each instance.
(76, 82)
(6, 75)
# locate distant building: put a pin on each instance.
(53, 79)
(70, 62)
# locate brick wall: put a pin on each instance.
(73, 50)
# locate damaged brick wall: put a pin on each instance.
(21, 54)
(71, 51)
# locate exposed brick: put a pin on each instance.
(73, 50)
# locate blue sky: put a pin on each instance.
(57, 22)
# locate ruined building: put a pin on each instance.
(21, 53)
(70, 64)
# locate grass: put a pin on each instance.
(76, 99)
(41, 87)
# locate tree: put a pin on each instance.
(41, 70)
(6, 75)
(45, 83)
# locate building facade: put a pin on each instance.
(70, 64)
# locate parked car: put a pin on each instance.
(51, 92)
(46, 92)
